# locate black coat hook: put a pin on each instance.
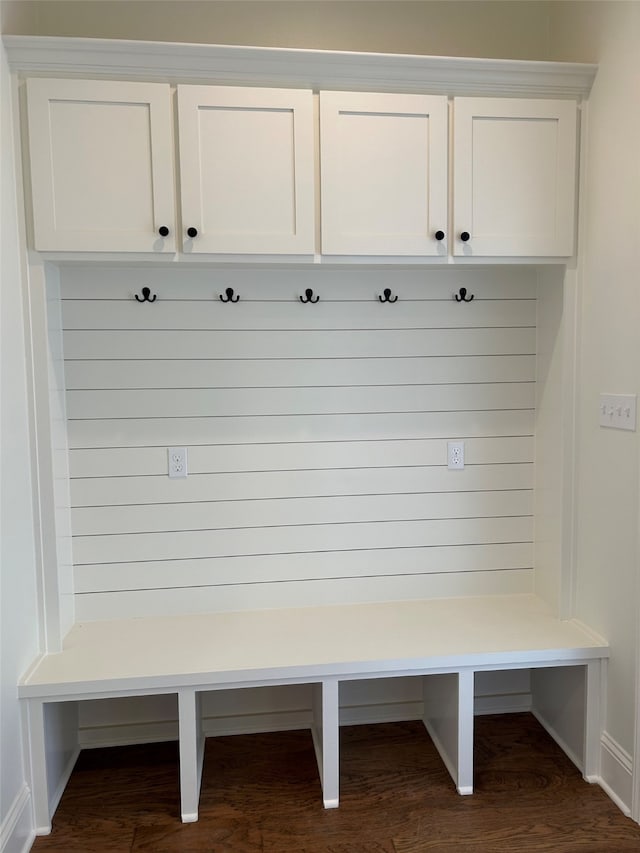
(386, 297)
(146, 296)
(230, 296)
(308, 296)
(463, 295)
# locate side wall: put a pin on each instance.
(19, 615)
(607, 548)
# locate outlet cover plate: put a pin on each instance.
(177, 462)
(455, 455)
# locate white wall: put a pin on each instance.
(607, 550)
(499, 28)
(19, 631)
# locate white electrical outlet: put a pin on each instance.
(455, 455)
(177, 461)
(618, 411)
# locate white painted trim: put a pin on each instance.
(41, 422)
(616, 772)
(616, 766)
(566, 607)
(573, 296)
(614, 797)
(127, 734)
(319, 69)
(618, 753)
(294, 261)
(392, 712)
(635, 781)
(509, 703)
(17, 833)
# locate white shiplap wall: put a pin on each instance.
(316, 436)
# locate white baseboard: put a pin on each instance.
(246, 724)
(17, 832)
(616, 766)
(391, 712)
(512, 703)
(616, 772)
(127, 734)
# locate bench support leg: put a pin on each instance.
(594, 690)
(448, 717)
(34, 719)
(192, 741)
(325, 732)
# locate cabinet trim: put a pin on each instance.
(265, 66)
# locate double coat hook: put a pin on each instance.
(308, 296)
(229, 296)
(462, 295)
(146, 296)
(386, 296)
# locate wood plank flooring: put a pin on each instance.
(261, 794)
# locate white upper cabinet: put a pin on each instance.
(247, 170)
(514, 177)
(102, 170)
(383, 174)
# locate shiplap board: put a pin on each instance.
(314, 343)
(241, 402)
(304, 538)
(297, 372)
(278, 284)
(170, 431)
(204, 598)
(262, 485)
(220, 515)
(209, 459)
(213, 315)
(456, 562)
(316, 435)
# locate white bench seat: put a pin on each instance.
(445, 640)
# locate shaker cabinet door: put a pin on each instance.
(514, 177)
(102, 171)
(383, 174)
(247, 170)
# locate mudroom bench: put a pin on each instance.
(444, 641)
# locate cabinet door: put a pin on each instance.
(247, 169)
(383, 174)
(101, 165)
(514, 177)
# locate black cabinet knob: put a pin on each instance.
(163, 231)
(192, 232)
(439, 235)
(465, 236)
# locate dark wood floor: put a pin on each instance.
(261, 794)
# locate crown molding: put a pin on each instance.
(315, 69)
